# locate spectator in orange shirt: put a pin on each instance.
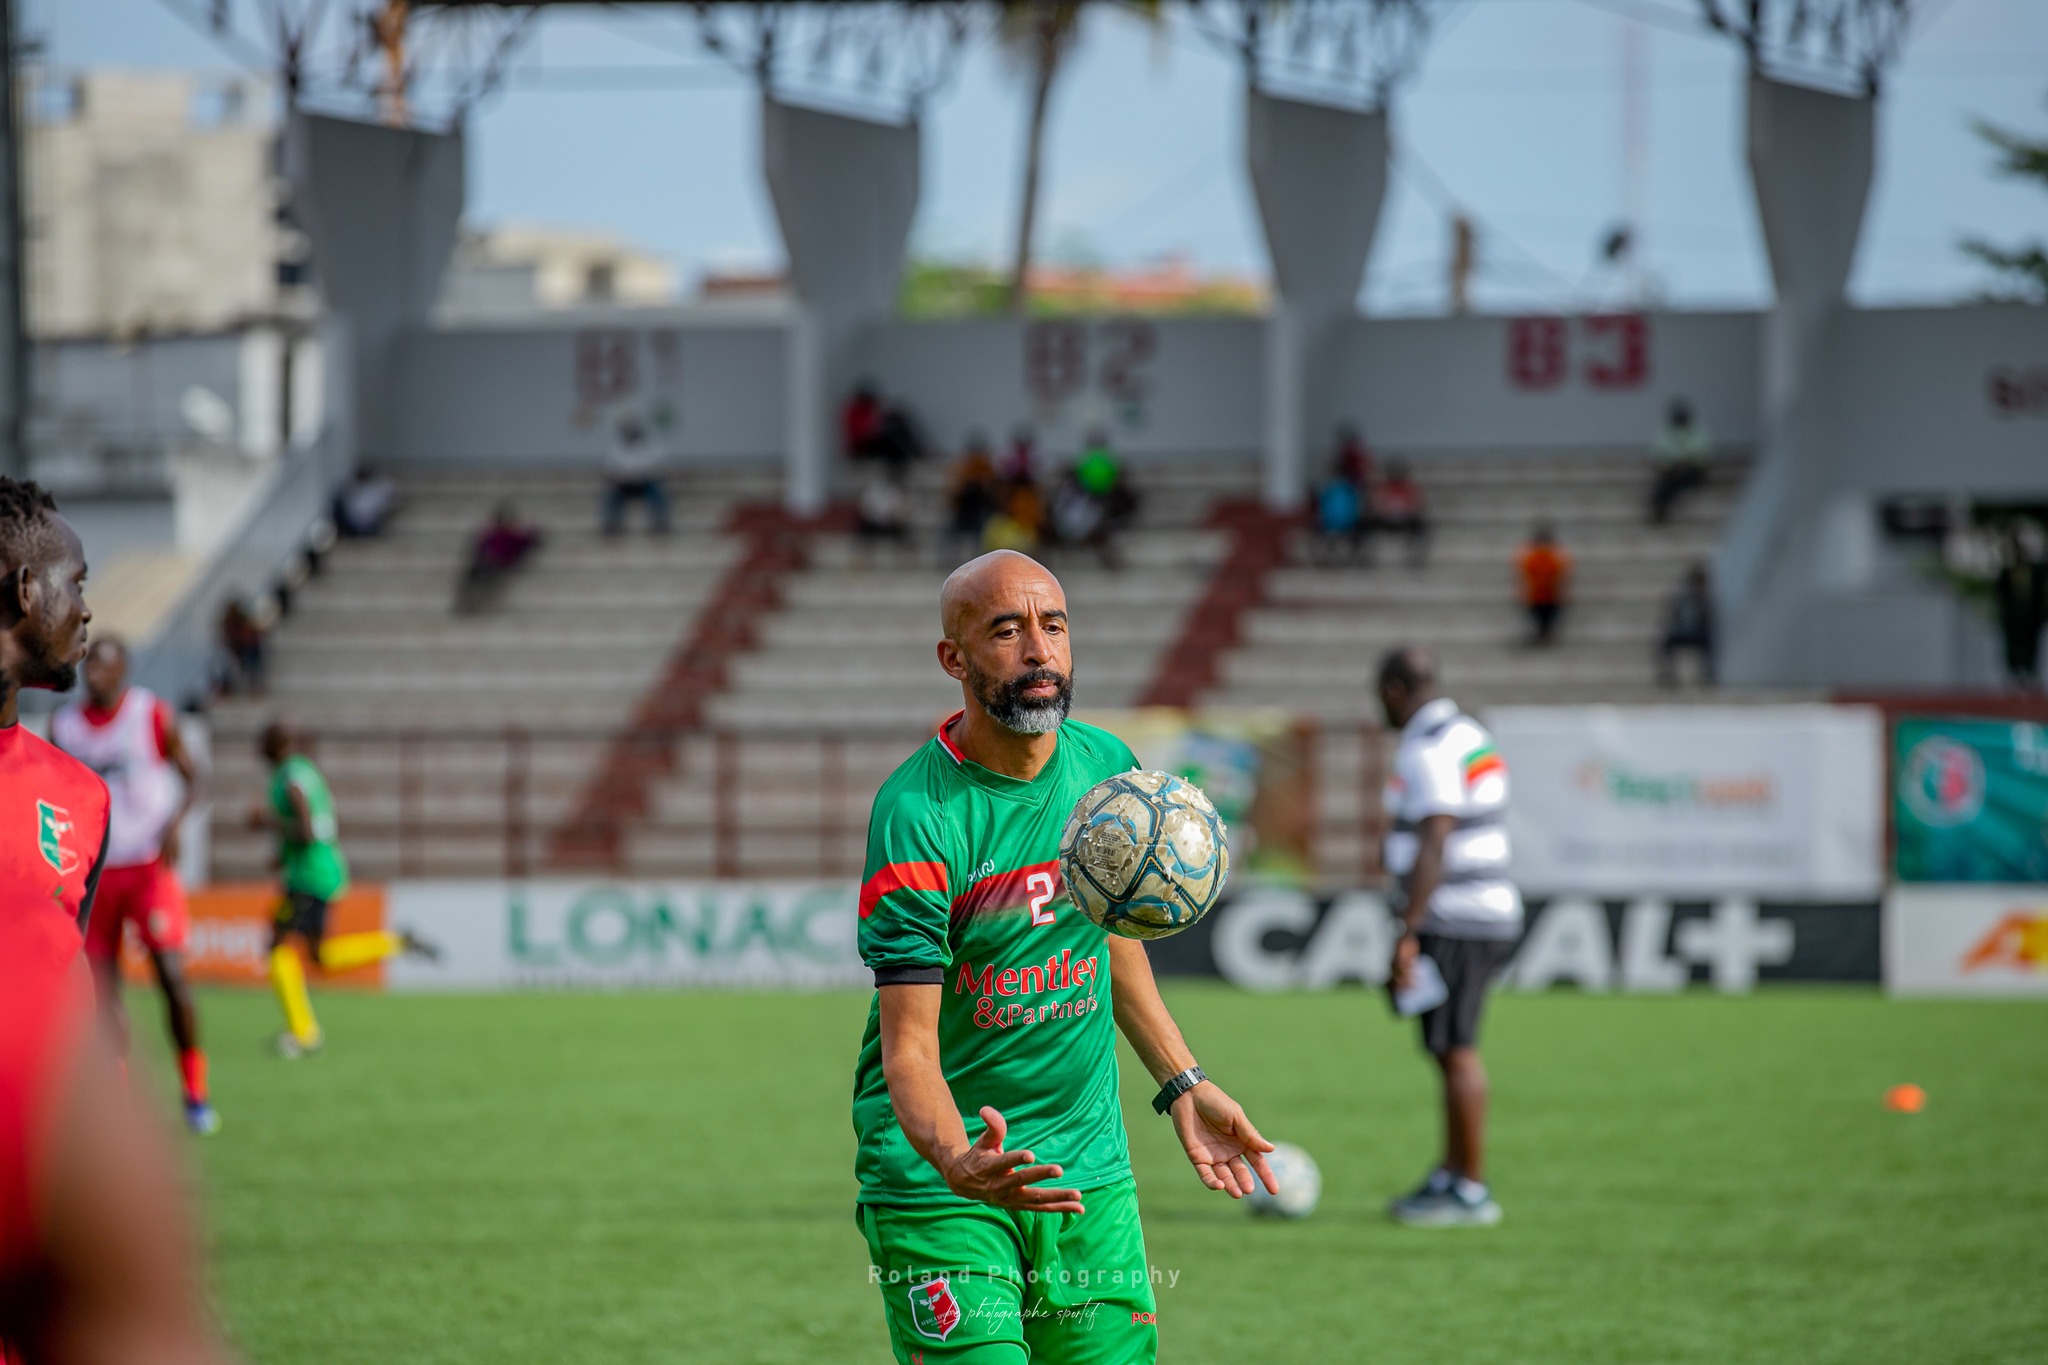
(1545, 568)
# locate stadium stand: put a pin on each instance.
(411, 704)
(724, 701)
(1313, 641)
(850, 650)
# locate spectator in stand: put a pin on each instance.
(1076, 515)
(882, 515)
(2021, 593)
(860, 424)
(1021, 459)
(633, 474)
(241, 638)
(1095, 503)
(1340, 520)
(1688, 625)
(1397, 507)
(1545, 568)
(1098, 469)
(1680, 451)
(876, 432)
(504, 543)
(901, 443)
(1354, 458)
(364, 505)
(1019, 522)
(970, 501)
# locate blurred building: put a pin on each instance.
(1168, 285)
(151, 204)
(743, 284)
(517, 269)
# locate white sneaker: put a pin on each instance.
(291, 1049)
(1463, 1205)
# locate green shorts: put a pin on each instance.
(992, 1287)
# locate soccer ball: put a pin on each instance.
(1301, 1184)
(1145, 854)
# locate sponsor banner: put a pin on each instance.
(1252, 764)
(1773, 801)
(1966, 940)
(228, 935)
(1970, 800)
(1279, 938)
(497, 935)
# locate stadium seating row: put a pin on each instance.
(837, 677)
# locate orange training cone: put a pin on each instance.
(1905, 1099)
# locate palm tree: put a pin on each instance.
(1036, 35)
(2026, 265)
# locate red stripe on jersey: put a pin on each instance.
(901, 877)
(1010, 890)
(1481, 764)
(165, 723)
(946, 738)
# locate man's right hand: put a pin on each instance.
(1405, 949)
(984, 1172)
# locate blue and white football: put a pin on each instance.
(1145, 854)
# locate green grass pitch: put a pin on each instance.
(665, 1177)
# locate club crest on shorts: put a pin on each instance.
(934, 1309)
(51, 827)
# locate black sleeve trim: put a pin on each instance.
(92, 878)
(910, 976)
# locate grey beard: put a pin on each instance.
(1007, 708)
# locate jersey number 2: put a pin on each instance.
(1041, 887)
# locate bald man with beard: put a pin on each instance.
(1012, 1236)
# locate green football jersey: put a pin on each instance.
(316, 867)
(962, 890)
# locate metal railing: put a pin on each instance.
(418, 801)
(720, 803)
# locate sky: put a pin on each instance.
(1515, 118)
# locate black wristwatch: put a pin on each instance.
(1175, 1087)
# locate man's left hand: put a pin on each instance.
(1221, 1142)
(167, 849)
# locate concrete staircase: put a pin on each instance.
(479, 745)
(1313, 644)
(412, 704)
